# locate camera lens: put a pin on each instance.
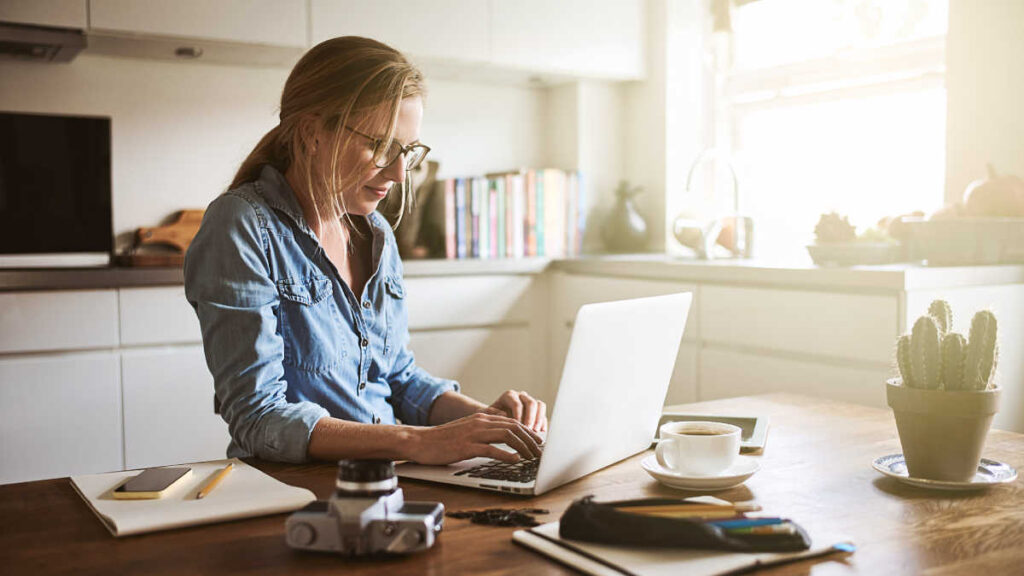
(365, 478)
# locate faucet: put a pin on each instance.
(702, 237)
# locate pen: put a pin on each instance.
(746, 522)
(216, 480)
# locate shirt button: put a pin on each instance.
(364, 343)
(362, 385)
(376, 419)
(366, 304)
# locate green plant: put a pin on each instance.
(935, 358)
(832, 228)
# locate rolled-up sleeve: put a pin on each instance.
(228, 283)
(414, 390)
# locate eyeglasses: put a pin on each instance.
(382, 158)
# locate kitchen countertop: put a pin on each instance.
(898, 277)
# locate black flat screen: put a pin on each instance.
(54, 184)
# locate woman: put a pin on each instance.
(299, 290)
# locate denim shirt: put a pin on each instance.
(285, 339)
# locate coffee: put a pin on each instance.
(702, 432)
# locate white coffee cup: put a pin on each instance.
(698, 448)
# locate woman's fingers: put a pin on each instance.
(517, 437)
(530, 407)
(498, 454)
(542, 421)
(510, 403)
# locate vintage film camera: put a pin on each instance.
(366, 515)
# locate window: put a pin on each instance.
(832, 105)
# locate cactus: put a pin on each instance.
(941, 311)
(980, 359)
(925, 359)
(934, 358)
(903, 359)
(953, 345)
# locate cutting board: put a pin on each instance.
(164, 245)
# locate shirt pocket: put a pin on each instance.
(394, 311)
(309, 324)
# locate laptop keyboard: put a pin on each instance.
(522, 471)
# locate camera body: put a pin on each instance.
(366, 515)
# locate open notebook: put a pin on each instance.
(244, 493)
(604, 560)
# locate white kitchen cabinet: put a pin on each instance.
(456, 30)
(486, 362)
(55, 13)
(728, 373)
(577, 37)
(837, 325)
(468, 301)
(168, 408)
(58, 320)
(267, 22)
(59, 415)
(158, 315)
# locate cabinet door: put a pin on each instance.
(59, 415)
(56, 13)
(58, 320)
(168, 408)
(461, 301)
(273, 22)
(486, 362)
(157, 316)
(728, 373)
(842, 326)
(577, 37)
(456, 30)
(573, 291)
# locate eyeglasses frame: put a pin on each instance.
(378, 142)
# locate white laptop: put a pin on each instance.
(614, 384)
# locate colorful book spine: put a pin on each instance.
(498, 210)
(530, 224)
(461, 226)
(449, 219)
(476, 203)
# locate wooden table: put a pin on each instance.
(816, 469)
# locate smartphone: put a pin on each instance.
(152, 483)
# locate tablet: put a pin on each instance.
(754, 428)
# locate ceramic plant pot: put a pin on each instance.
(942, 432)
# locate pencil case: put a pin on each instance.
(609, 523)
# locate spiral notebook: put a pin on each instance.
(244, 493)
(604, 560)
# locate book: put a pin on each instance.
(449, 219)
(461, 242)
(605, 560)
(244, 493)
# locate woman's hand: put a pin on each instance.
(472, 436)
(522, 407)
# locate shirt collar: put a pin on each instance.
(278, 194)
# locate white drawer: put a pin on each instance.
(849, 326)
(59, 320)
(168, 408)
(460, 301)
(727, 373)
(159, 315)
(59, 415)
(573, 291)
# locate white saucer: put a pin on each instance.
(743, 468)
(990, 473)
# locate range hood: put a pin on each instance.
(39, 44)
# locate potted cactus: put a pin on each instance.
(945, 399)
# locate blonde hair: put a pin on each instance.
(336, 82)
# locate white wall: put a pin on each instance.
(985, 91)
(180, 130)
